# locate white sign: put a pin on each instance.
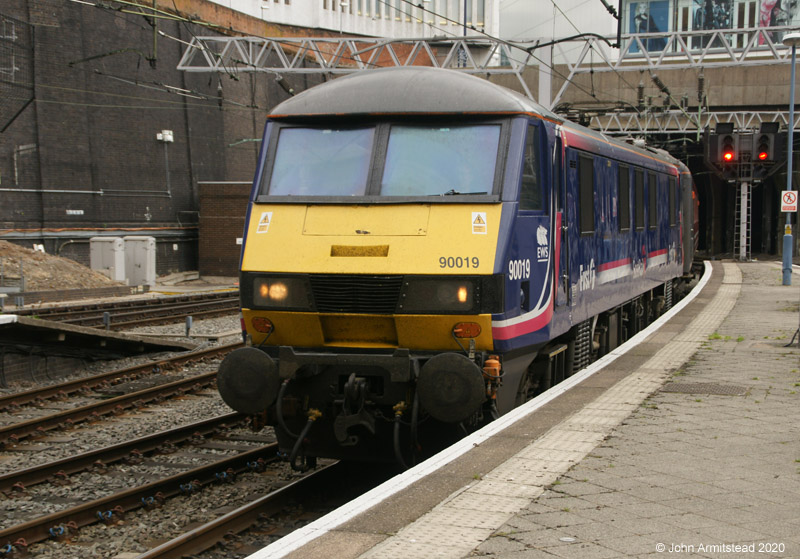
(479, 223)
(263, 222)
(789, 201)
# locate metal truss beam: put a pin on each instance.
(683, 50)
(345, 55)
(677, 122)
(483, 56)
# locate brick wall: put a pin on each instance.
(222, 213)
(83, 159)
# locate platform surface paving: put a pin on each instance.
(709, 466)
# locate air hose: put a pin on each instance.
(313, 415)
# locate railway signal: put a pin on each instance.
(729, 148)
(765, 148)
(745, 155)
(768, 149)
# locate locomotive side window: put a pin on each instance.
(586, 193)
(335, 162)
(437, 160)
(673, 209)
(624, 198)
(638, 200)
(530, 193)
(652, 200)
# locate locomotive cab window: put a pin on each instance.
(586, 193)
(384, 159)
(335, 162)
(440, 160)
(530, 190)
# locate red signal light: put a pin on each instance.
(728, 149)
(764, 147)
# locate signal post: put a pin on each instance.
(744, 158)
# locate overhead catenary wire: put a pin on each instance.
(529, 50)
(384, 2)
(497, 39)
(147, 11)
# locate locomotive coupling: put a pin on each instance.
(248, 380)
(451, 387)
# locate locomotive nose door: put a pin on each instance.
(531, 264)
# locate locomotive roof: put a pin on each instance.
(408, 90)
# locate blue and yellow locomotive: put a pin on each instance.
(424, 250)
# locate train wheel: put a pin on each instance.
(528, 386)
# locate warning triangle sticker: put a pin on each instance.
(479, 223)
(263, 222)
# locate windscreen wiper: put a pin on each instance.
(454, 192)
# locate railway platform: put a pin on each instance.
(684, 443)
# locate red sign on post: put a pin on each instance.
(789, 201)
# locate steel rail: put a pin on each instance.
(108, 508)
(231, 309)
(58, 311)
(114, 453)
(144, 314)
(207, 535)
(128, 373)
(39, 425)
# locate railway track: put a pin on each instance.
(164, 388)
(253, 470)
(40, 395)
(113, 508)
(220, 530)
(28, 484)
(59, 470)
(290, 504)
(121, 315)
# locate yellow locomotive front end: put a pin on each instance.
(349, 308)
(368, 276)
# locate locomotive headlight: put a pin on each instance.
(440, 295)
(278, 291)
(281, 293)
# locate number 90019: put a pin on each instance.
(459, 262)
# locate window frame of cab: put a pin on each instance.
(378, 159)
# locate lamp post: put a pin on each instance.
(790, 40)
